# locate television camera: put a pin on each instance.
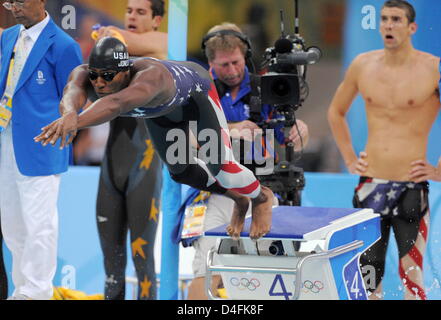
(284, 86)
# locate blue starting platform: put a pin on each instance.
(310, 253)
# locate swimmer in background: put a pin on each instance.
(141, 23)
(400, 87)
(130, 182)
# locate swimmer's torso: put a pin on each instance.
(402, 103)
(189, 78)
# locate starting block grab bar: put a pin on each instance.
(297, 270)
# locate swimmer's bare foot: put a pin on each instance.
(261, 213)
(241, 204)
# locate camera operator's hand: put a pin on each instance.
(299, 135)
(246, 130)
(360, 165)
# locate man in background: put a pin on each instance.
(141, 23)
(400, 86)
(32, 86)
(226, 49)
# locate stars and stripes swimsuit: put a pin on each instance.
(196, 107)
(404, 206)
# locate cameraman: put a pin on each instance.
(227, 52)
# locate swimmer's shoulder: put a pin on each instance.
(368, 57)
(80, 74)
(149, 70)
(427, 56)
(82, 68)
(145, 62)
(365, 60)
(150, 66)
(428, 60)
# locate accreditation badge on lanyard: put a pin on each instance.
(194, 221)
(6, 100)
(195, 216)
(5, 112)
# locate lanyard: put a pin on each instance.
(6, 100)
(11, 67)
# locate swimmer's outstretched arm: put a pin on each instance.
(74, 99)
(150, 87)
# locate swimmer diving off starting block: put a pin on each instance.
(168, 95)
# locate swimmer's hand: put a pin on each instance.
(360, 165)
(63, 127)
(104, 32)
(109, 31)
(421, 170)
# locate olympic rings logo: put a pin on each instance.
(244, 283)
(313, 287)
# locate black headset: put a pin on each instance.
(239, 35)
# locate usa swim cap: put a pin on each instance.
(110, 53)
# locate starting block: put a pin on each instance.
(310, 254)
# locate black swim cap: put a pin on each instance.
(110, 53)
